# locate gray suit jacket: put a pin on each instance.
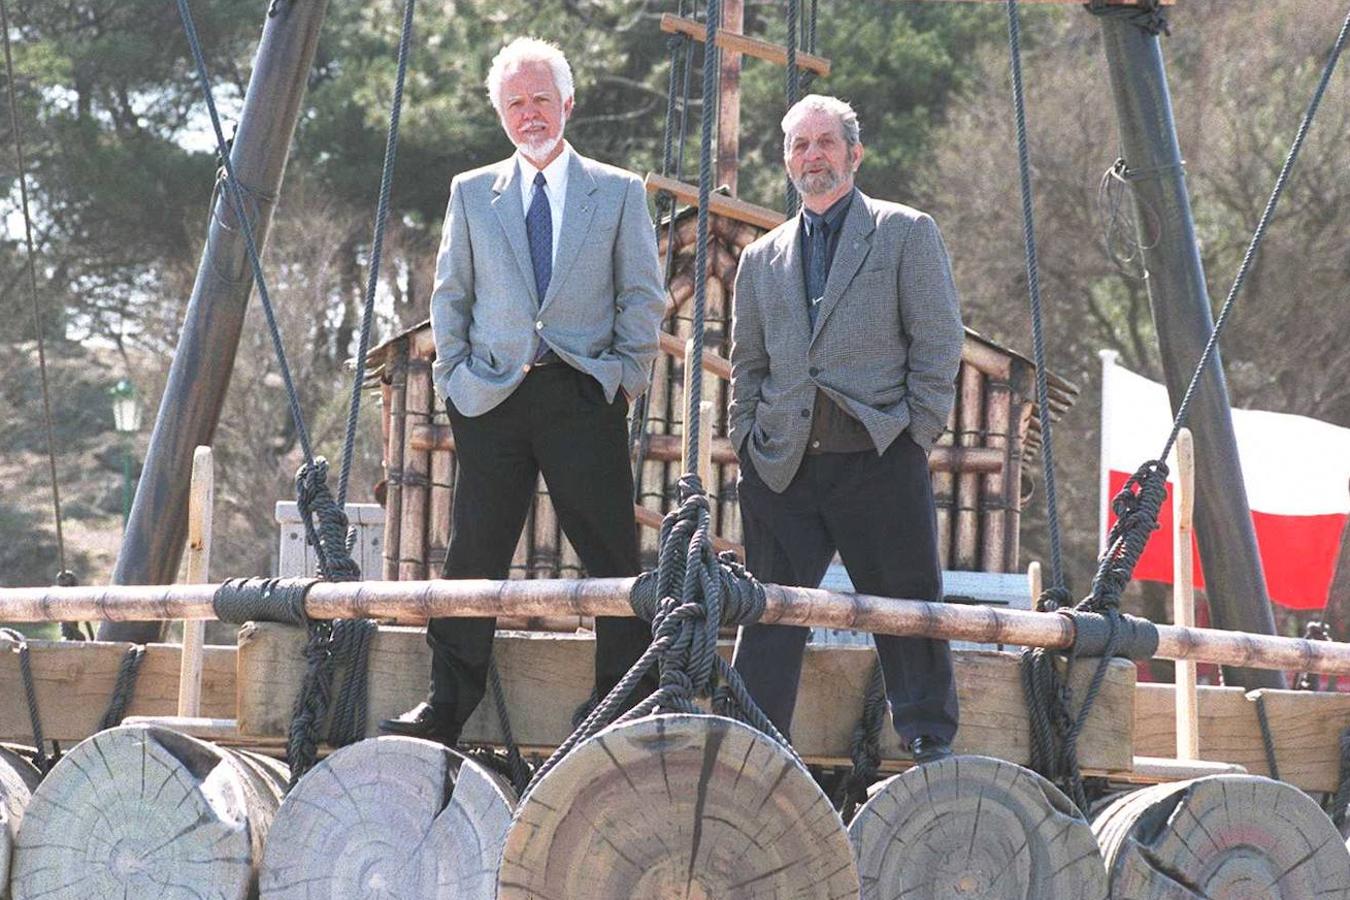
(604, 303)
(886, 344)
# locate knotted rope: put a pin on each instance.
(692, 593)
(865, 749)
(124, 688)
(1146, 15)
(20, 646)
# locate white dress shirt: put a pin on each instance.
(555, 174)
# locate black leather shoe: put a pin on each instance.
(425, 720)
(927, 748)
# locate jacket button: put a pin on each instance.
(814, 371)
(806, 414)
(538, 326)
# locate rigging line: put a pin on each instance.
(31, 265)
(1290, 159)
(711, 79)
(376, 250)
(236, 196)
(1034, 291)
(794, 90)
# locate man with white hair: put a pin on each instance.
(845, 344)
(546, 311)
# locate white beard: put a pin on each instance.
(537, 151)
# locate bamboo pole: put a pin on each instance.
(416, 474)
(201, 496)
(609, 597)
(944, 492)
(971, 418)
(393, 459)
(993, 489)
(1183, 593)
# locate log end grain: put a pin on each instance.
(974, 827)
(677, 806)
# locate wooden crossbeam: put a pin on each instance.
(719, 205)
(739, 43)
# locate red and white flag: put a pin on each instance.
(1296, 470)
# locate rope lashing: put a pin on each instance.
(1146, 15)
(691, 594)
(332, 538)
(1120, 223)
(865, 748)
(341, 644)
(519, 771)
(1339, 802)
(1313, 631)
(124, 689)
(19, 645)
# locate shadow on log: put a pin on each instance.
(977, 828)
(677, 806)
(389, 817)
(1226, 836)
(142, 811)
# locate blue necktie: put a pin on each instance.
(539, 230)
(817, 263)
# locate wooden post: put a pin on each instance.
(416, 473)
(1034, 583)
(393, 458)
(1183, 593)
(994, 493)
(971, 418)
(201, 498)
(729, 103)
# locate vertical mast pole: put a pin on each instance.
(729, 102)
(204, 360)
(1179, 299)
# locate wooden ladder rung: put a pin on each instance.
(739, 43)
(719, 205)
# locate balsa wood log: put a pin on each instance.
(18, 779)
(201, 498)
(677, 806)
(1226, 836)
(389, 817)
(546, 677)
(1306, 727)
(75, 679)
(143, 812)
(974, 827)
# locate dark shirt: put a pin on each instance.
(833, 429)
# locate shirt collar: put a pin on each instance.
(555, 173)
(832, 217)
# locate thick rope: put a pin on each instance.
(124, 689)
(1340, 801)
(1057, 590)
(519, 771)
(865, 748)
(1267, 736)
(349, 645)
(715, 591)
(376, 250)
(30, 266)
(793, 92)
(20, 646)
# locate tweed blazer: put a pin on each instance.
(605, 300)
(886, 344)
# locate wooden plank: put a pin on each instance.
(712, 362)
(739, 43)
(201, 498)
(75, 679)
(1152, 770)
(718, 204)
(546, 677)
(1306, 727)
(1183, 592)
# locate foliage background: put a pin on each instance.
(121, 177)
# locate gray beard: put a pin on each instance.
(818, 183)
(538, 150)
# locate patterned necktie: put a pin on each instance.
(539, 230)
(817, 266)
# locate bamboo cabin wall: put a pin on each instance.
(977, 465)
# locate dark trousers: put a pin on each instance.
(556, 422)
(878, 512)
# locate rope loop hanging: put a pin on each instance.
(19, 645)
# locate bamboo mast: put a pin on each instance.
(204, 360)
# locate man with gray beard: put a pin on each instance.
(846, 341)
